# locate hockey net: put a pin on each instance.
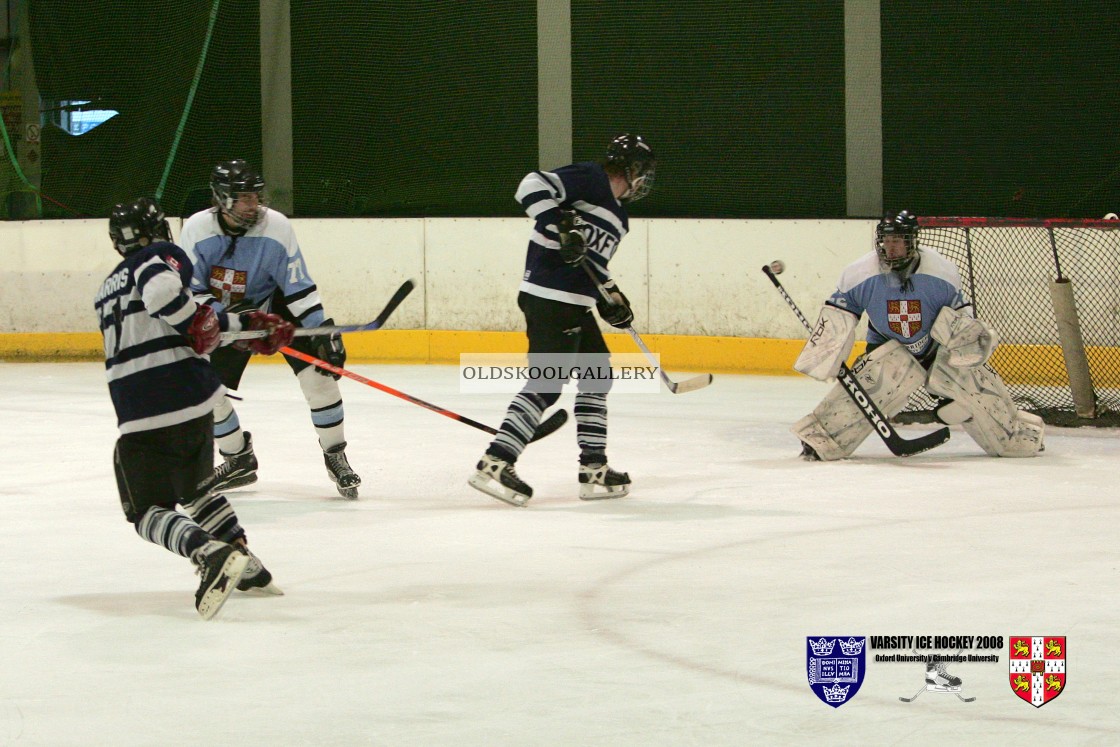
(1007, 267)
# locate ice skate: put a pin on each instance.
(221, 567)
(238, 470)
(256, 581)
(808, 453)
(939, 681)
(599, 481)
(338, 469)
(938, 678)
(497, 478)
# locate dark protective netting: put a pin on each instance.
(1006, 267)
(988, 108)
(429, 107)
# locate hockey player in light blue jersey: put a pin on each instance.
(920, 331)
(247, 256)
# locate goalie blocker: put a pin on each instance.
(979, 401)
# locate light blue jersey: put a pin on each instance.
(898, 312)
(231, 270)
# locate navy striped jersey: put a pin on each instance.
(898, 312)
(144, 308)
(250, 268)
(600, 217)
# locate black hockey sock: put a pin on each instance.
(591, 427)
(522, 418)
(214, 514)
(173, 530)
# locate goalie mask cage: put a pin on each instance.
(1051, 289)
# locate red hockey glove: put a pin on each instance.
(280, 332)
(204, 332)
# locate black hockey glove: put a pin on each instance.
(330, 349)
(617, 314)
(573, 247)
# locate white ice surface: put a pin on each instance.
(429, 614)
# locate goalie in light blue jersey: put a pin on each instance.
(921, 332)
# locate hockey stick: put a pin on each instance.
(378, 323)
(898, 445)
(676, 387)
(911, 700)
(547, 427)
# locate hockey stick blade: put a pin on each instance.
(689, 385)
(550, 425)
(898, 445)
(379, 322)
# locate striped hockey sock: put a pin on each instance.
(216, 516)
(522, 419)
(591, 427)
(173, 530)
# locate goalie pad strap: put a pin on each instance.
(829, 344)
(970, 342)
(995, 423)
(889, 374)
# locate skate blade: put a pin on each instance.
(589, 493)
(216, 595)
(235, 483)
(350, 494)
(483, 483)
(271, 590)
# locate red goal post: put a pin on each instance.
(1051, 288)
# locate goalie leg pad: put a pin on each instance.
(996, 424)
(889, 374)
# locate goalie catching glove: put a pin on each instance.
(280, 332)
(618, 313)
(573, 247)
(329, 348)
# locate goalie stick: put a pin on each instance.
(378, 323)
(547, 427)
(676, 387)
(898, 445)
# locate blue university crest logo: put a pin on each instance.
(836, 665)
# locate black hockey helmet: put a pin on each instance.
(230, 179)
(135, 225)
(633, 157)
(903, 224)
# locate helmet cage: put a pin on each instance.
(903, 225)
(633, 156)
(135, 225)
(231, 179)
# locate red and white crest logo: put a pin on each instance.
(1038, 667)
(228, 286)
(904, 317)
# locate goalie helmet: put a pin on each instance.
(634, 159)
(237, 189)
(135, 225)
(904, 225)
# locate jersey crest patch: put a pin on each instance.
(904, 317)
(228, 285)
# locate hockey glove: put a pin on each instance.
(280, 332)
(573, 247)
(617, 314)
(330, 349)
(204, 332)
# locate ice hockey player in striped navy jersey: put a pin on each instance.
(579, 214)
(246, 256)
(164, 391)
(920, 331)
